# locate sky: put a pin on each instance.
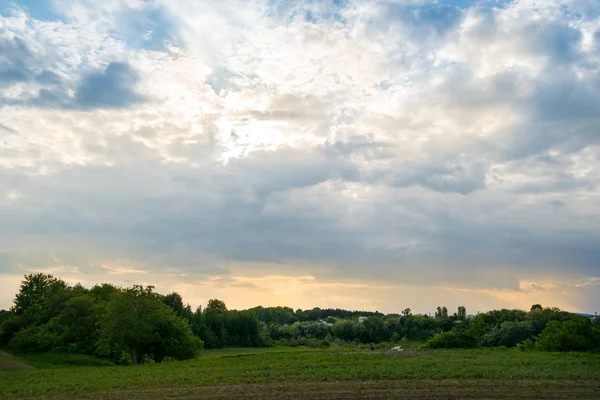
(360, 154)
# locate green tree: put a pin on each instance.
(576, 334)
(175, 301)
(441, 313)
(509, 334)
(478, 327)
(173, 337)
(215, 318)
(215, 305)
(138, 324)
(453, 339)
(343, 329)
(462, 313)
(40, 298)
(77, 322)
(129, 325)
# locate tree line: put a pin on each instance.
(136, 324)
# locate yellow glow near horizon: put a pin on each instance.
(307, 291)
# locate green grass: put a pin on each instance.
(64, 360)
(281, 366)
(8, 362)
(239, 352)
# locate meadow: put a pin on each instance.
(309, 373)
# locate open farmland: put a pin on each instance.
(302, 373)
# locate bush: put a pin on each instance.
(574, 335)
(526, 345)
(33, 339)
(454, 339)
(508, 333)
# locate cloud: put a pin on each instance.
(7, 129)
(555, 40)
(449, 146)
(112, 87)
(13, 56)
(443, 179)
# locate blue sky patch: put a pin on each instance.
(148, 28)
(42, 10)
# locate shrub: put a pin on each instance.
(508, 333)
(573, 335)
(454, 339)
(527, 345)
(33, 339)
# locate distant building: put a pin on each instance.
(322, 322)
(362, 319)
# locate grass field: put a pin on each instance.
(306, 373)
(11, 363)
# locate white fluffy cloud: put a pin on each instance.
(357, 142)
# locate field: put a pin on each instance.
(306, 373)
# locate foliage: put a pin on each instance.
(216, 306)
(509, 334)
(123, 325)
(287, 315)
(175, 301)
(454, 339)
(576, 334)
(138, 323)
(131, 325)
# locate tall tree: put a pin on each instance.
(462, 313)
(175, 301)
(130, 322)
(40, 298)
(215, 305)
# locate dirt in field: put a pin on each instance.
(413, 389)
(8, 362)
